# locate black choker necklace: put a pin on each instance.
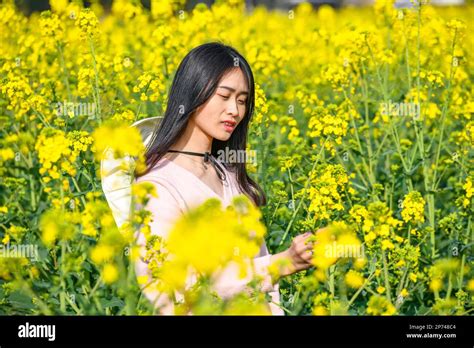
(207, 158)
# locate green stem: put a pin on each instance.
(292, 190)
(387, 283)
(356, 294)
(331, 285)
(76, 185)
(64, 68)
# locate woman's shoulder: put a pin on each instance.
(164, 177)
(161, 171)
(162, 174)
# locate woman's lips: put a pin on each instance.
(229, 126)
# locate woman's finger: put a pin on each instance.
(308, 241)
(308, 256)
(303, 248)
(300, 237)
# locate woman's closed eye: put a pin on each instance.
(225, 97)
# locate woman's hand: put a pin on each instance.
(296, 258)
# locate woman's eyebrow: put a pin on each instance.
(233, 90)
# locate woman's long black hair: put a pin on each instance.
(194, 83)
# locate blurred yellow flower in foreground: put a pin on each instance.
(208, 238)
(337, 241)
(110, 139)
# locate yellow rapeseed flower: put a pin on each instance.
(110, 273)
(354, 279)
(379, 305)
(327, 190)
(413, 207)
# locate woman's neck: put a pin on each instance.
(193, 139)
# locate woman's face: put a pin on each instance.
(220, 115)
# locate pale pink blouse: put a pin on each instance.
(179, 190)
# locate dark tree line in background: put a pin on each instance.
(29, 6)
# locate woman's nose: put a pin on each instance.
(232, 108)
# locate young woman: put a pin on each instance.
(209, 109)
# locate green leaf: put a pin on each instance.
(20, 300)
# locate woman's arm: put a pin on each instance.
(229, 281)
